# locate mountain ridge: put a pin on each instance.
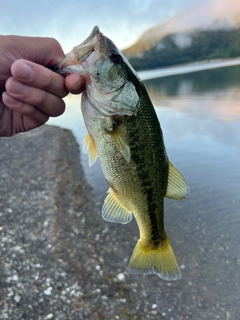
(224, 14)
(188, 47)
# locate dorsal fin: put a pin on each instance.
(177, 187)
(89, 147)
(114, 211)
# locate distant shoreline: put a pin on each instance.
(188, 68)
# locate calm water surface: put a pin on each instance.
(200, 117)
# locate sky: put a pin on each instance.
(70, 22)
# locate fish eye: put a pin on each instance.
(115, 57)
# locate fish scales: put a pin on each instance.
(147, 157)
(124, 132)
(148, 154)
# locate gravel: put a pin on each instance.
(45, 257)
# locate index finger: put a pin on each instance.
(38, 76)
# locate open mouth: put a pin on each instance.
(74, 59)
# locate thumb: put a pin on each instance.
(74, 83)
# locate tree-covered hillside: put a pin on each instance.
(183, 48)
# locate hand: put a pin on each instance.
(33, 92)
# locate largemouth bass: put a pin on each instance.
(124, 132)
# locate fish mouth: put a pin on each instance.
(72, 63)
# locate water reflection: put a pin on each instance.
(207, 103)
(197, 83)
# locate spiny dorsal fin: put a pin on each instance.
(114, 211)
(122, 146)
(177, 187)
(89, 147)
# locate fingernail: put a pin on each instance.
(23, 71)
(10, 100)
(76, 86)
(17, 87)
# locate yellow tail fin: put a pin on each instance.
(147, 259)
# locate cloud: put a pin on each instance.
(123, 21)
(72, 21)
(209, 14)
(182, 40)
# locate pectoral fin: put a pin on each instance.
(177, 187)
(89, 147)
(121, 145)
(114, 211)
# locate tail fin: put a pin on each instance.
(157, 260)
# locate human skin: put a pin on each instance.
(30, 91)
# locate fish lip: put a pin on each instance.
(72, 63)
(90, 38)
(91, 43)
(64, 66)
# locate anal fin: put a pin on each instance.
(89, 147)
(114, 211)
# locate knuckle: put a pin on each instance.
(41, 98)
(47, 81)
(53, 43)
(54, 83)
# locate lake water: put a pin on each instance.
(200, 117)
